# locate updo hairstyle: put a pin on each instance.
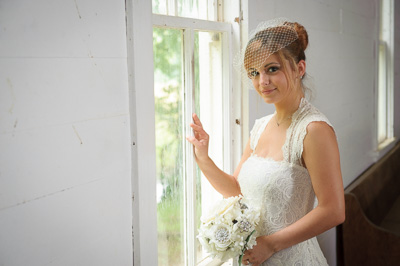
(282, 41)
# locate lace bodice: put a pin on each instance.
(283, 189)
(293, 147)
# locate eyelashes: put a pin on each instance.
(273, 69)
(252, 73)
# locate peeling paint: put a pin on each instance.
(77, 9)
(100, 117)
(15, 125)
(50, 194)
(10, 85)
(76, 132)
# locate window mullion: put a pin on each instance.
(190, 169)
(390, 72)
(172, 8)
(219, 10)
(212, 10)
(227, 100)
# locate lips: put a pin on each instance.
(266, 92)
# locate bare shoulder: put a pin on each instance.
(319, 131)
(320, 146)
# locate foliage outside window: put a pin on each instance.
(190, 66)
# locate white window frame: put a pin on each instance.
(385, 60)
(140, 22)
(189, 26)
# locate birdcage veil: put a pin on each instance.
(266, 39)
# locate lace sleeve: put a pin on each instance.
(302, 134)
(293, 149)
(298, 141)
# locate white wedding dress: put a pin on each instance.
(282, 189)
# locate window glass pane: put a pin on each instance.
(188, 8)
(209, 106)
(382, 94)
(385, 75)
(170, 136)
(159, 7)
(200, 9)
(167, 47)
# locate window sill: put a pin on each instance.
(383, 148)
(387, 144)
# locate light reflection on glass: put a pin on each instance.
(167, 47)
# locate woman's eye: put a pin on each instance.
(253, 74)
(273, 69)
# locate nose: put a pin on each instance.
(264, 79)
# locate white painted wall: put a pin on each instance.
(341, 59)
(65, 156)
(65, 177)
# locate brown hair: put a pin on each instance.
(293, 52)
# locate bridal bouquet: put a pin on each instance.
(228, 230)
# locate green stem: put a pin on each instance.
(244, 248)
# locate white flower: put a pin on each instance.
(221, 236)
(220, 208)
(229, 228)
(252, 242)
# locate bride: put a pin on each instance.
(291, 158)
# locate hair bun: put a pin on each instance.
(303, 35)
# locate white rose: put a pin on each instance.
(221, 236)
(219, 209)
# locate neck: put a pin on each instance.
(288, 106)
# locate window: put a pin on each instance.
(192, 73)
(199, 9)
(385, 76)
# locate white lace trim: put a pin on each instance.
(292, 149)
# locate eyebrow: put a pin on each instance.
(272, 63)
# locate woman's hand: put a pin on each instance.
(200, 139)
(259, 253)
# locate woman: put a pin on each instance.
(291, 157)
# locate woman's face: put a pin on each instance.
(270, 80)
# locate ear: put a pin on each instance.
(301, 66)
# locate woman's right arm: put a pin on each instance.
(224, 183)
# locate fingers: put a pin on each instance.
(198, 131)
(194, 141)
(245, 259)
(248, 259)
(196, 120)
(246, 262)
(196, 127)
